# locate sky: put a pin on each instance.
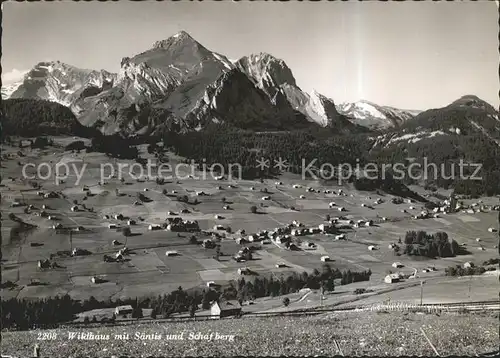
(411, 55)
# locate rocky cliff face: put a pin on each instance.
(234, 99)
(275, 78)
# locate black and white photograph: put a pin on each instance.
(250, 178)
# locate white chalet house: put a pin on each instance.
(121, 310)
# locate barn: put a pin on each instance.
(226, 308)
(391, 278)
(121, 310)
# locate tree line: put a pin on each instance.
(419, 243)
(23, 314)
(30, 117)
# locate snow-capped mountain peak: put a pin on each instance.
(10, 88)
(371, 115)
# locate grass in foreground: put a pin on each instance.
(374, 334)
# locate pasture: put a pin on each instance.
(147, 270)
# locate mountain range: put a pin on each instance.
(180, 84)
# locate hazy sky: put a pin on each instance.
(413, 55)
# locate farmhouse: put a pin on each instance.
(341, 209)
(266, 198)
(280, 265)
(468, 264)
(325, 228)
(491, 229)
(397, 265)
(371, 248)
(121, 310)
(325, 258)
(77, 252)
(243, 271)
(392, 278)
(43, 264)
(226, 308)
(96, 279)
(208, 244)
(171, 253)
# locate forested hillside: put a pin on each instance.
(29, 117)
